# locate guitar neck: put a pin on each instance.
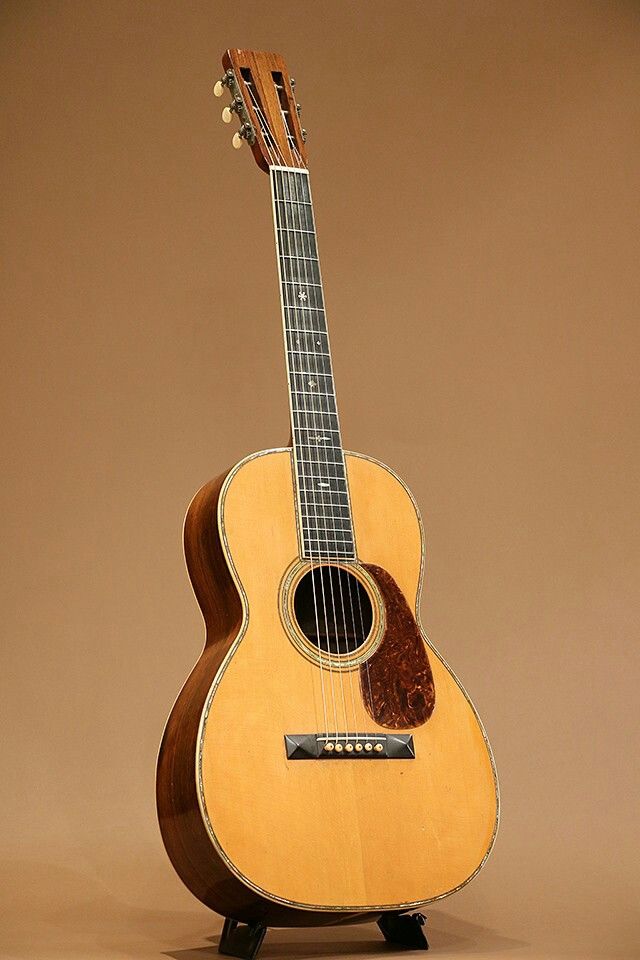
(321, 480)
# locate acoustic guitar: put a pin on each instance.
(322, 763)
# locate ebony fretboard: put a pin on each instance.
(323, 495)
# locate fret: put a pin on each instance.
(294, 242)
(294, 184)
(313, 342)
(323, 511)
(319, 435)
(312, 381)
(303, 283)
(302, 294)
(318, 492)
(311, 527)
(311, 517)
(316, 414)
(303, 461)
(318, 395)
(335, 543)
(328, 550)
(310, 371)
(327, 447)
(301, 271)
(314, 521)
(294, 213)
(309, 353)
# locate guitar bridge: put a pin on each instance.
(349, 746)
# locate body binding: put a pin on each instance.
(261, 839)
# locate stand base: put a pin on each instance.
(404, 930)
(244, 940)
(241, 940)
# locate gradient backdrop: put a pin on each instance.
(475, 172)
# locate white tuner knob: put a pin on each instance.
(227, 115)
(218, 89)
(237, 141)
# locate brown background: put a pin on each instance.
(475, 170)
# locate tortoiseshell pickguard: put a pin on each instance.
(396, 681)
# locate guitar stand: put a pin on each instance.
(245, 939)
(404, 930)
(241, 939)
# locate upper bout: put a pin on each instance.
(387, 524)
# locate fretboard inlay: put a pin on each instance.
(323, 496)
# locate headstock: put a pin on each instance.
(262, 97)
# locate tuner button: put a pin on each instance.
(237, 141)
(218, 89)
(227, 115)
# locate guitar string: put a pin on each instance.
(317, 580)
(318, 492)
(299, 180)
(337, 545)
(278, 159)
(302, 414)
(298, 156)
(358, 591)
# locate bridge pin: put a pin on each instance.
(378, 748)
(358, 748)
(338, 748)
(348, 748)
(328, 747)
(368, 747)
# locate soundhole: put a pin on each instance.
(333, 610)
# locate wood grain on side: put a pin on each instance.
(183, 829)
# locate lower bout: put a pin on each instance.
(348, 836)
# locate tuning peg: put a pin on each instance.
(298, 108)
(237, 141)
(218, 89)
(227, 115)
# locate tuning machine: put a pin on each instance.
(234, 107)
(245, 132)
(218, 88)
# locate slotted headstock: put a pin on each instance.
(263, 100)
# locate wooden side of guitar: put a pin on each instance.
(249, 839)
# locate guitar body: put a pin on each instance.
(261, 835)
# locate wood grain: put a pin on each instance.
(262, 67)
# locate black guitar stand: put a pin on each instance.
(404, 930)
(241, 939)
(245, 939)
